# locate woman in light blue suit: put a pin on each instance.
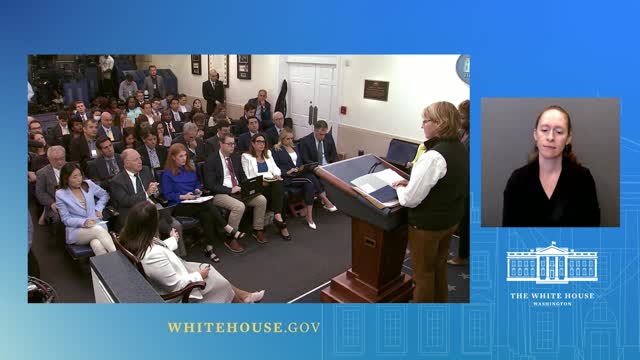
(79, 211)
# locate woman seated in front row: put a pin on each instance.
(288, 159)
(166, 271)
(180, 182)
(79, 211)
(258, 161)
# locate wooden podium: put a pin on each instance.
(378, 238)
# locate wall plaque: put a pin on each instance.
(376, 90)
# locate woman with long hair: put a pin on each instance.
(259, 162)
(288, 159)
(435, 196)
(158, 129)
(79, 211)
(179, 182)
(168, 273)
(132, 109)
(553, 189)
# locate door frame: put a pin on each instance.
(283, 74)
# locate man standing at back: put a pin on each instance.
(154, 83)
(213, 91)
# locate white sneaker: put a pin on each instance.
(254, 297)
(312, 225)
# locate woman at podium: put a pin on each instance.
(435, 196)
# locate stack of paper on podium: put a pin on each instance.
(376, 187)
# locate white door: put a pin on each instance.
(315, 85)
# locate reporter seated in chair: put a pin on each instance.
(108, 163)
(153, 155)
(167, 273)
(47, 182)
(288, 159)
(134, 185)
(80, 212)
(179, 183)
(317, 146)
(195, 146)
(259, 162)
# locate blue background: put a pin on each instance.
(518, 49)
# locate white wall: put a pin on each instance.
(263, 76)
(415, 81)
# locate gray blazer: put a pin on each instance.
(148, 85)
(46, 191)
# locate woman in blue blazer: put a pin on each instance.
(79, 211)
(288, 159)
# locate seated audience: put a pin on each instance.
(134, 185)
(108, 164)
(183, 107)
(128, 140)
(139, 98)
(166, 272)
(142, 122)
(259, 162)
(156, 107)
(107, 129)
(39, 157)
(123, 119)
(263, 109)
(180, 182)
(80, 111)
(241, 126)
(83, 148)
(196, 107)
(223, 175)
(317, 146)
(244, 141)
(133, 111)
(79, 211)
(171, 127)
(195, 146)
(47, 180)
(128, 88)
(288, 159)
(177, 115)
(213, 143)
(62, 128)
(35, 127)
(158, 130)
(153, 155)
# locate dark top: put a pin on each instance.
(214, 173)
(574, 201)
(444, 205)
(124, 197)
(309, 149)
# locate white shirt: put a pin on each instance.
(294, 157)
(227, 175)
(134, 181)
(324, 159)
(430, 168)
(183, 108)
(56, 172)
(65, 130)
(176, 116)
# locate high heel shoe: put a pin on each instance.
(312, 225)
(282, 225)
(331, 209)
(254, 297)
(209, 252)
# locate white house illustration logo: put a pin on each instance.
(552, 265)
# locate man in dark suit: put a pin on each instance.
(197, 150)
(273, 134)
(241, 126)
(108, 164)
(107, 129)
(84, 148)
(81, 111)
(154, 83)
(263, 109)
(133, 185)
(317, 146)
(244, 141)
(47, 179)
(62, 128)
(170, 127)
(213, 143)
(153, 155)
(177, 115)
(223, 175)
(213, 91)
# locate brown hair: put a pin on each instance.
(170, 165)
(464, 110)
(567, 152)
(265, 151)
(446, 117)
